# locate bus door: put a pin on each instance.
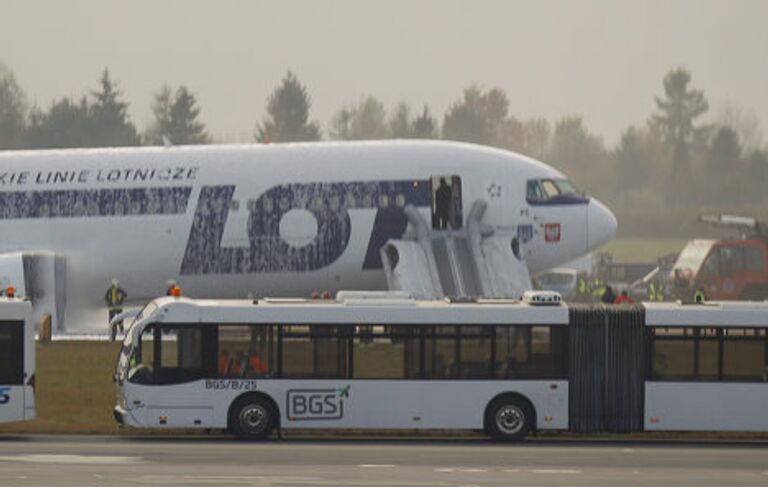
(11, 370)
(446, 202)
(176, 358)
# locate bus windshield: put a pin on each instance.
(130, 341)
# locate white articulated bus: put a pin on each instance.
(380, 361)
(17, 360)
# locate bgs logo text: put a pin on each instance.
(306, 404)
(5, 396)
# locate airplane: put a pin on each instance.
(262, 219)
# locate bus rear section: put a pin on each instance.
(709, 367)
(17, 360)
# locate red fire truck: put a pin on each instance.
(724, 269)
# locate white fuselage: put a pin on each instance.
(283, 219)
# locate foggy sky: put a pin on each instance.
(602, 59)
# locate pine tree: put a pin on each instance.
(424, 126)
(401, 126)
(13, 111)
(67, 123)
(400, 122)
(109, 114)
(679, 110)
(476, 117)
(365, 121)
(176, 117)
(161, 110)
(287, 117)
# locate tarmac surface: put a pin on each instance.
(202, 461)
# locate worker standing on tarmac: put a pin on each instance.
(699, 297)
(608, 297)
(598, 289)
(114, 297)
(656, 291)
(169, 287)
(584, 290)
(624, 298)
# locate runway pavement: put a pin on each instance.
(201, 461)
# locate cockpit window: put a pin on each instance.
(566, 187)
(553, 191)
(549, 188)
(534, 191)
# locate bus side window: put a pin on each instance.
(246, 351)
(314, 351)
(385, 352)
(474, 352)
(672, 353)
(744, 354)
(439, 351)
(531, 352)
(711, 354)
(457, 352)
(187, 353)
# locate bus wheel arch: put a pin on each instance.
(253, 415)
(509, 416)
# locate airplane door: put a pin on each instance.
(446, 202)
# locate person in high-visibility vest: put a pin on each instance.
(584, 290)
(598, 288)
(655, 291)
(699, 297)
(114, 297)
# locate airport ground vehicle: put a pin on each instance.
(505, 367)
(561, 280)
(17, 360)
(725, 269)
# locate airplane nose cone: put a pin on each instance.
(601, 224)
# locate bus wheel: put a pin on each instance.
(252, 418)
(509, 418)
